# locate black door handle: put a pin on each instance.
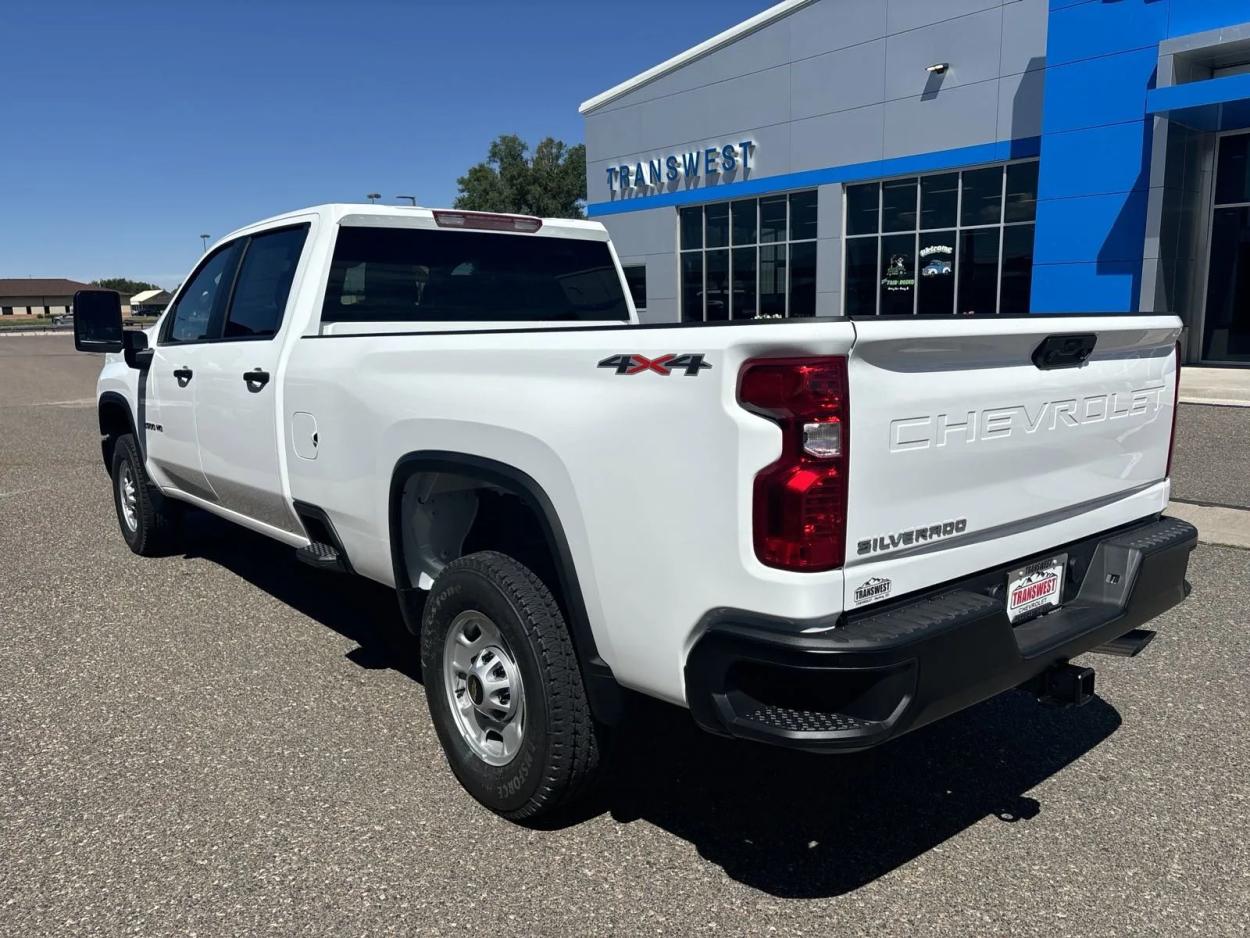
(256, 379)
(183, 375)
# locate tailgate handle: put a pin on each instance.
(1064, 351)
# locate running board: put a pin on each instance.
(1129, 645)
(323, 557)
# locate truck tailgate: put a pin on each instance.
(958, 438)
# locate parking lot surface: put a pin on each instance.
(226, 742)
(1212, 451)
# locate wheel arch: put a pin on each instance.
(116, 418)
(604, 693)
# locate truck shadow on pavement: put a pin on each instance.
(789, 824)
(798, 825)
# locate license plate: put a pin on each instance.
(1033, 589)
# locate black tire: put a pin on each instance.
(152, 530)
(559, 745)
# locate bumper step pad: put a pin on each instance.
(806, 721)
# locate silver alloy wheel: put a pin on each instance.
(128, 497)
(484, 688)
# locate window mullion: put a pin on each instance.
(1002, 218)
(959, 218)
(785, 251)
(915, 256)
(880, 243)
(703, 264)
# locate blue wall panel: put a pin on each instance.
(1195, 16)
(1093, 92)
(1095, 161)
(1102, 58)
(1089, 30)
(1105, 229)
(1083, 288)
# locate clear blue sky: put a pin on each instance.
(131, 127)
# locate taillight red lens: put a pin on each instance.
(800, 500)
(1176, 408)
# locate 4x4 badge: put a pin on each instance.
(636, 364)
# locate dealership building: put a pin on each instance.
(940, 157)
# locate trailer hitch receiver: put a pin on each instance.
(1063, 685)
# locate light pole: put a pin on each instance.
(373, 197)
(410, 198)
(205, 238)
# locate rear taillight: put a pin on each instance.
(800, 500)
(1176, 408)
(487, 221)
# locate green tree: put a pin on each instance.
(123, 286)
(551, 184)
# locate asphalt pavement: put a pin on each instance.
(1212, 461)
(225, 743)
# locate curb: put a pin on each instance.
(1224, 527)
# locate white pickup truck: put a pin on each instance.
(816, 533)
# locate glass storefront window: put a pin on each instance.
(772, 219)
(937, 273)
(803, 216)
(1017, 269)
(982, 197)
(1226, 324)
(1232, 174)
(861, 274)
(939, 201)
(691, 223)
(898, 205)
(1021, 192)
(863, 209)
(941, 244)
(716, 226)
(978, 287)
(803, 278)
(745, 221)
(749, 258)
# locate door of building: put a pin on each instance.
(1226, 326)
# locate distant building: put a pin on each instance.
(37, 296)
(149, 303)
(864, 158)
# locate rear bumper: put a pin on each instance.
(886, 670)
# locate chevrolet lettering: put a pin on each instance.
(1000, 423)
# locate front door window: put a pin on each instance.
(1226, 329)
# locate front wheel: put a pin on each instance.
(504, 688)
(148, 519)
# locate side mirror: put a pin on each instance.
(97, 321)
(135, 348)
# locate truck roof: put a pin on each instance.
(360, 213)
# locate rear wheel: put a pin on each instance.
(148, 520)
(504, 688)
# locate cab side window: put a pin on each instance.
(196, 316)
(264, 283)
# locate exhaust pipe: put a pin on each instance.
(1063, 685)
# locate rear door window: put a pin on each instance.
(264, 283)
(422, 275)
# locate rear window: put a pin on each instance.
(416, 275)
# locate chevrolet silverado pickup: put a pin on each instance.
(815, 533)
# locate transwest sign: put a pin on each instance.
(708, 162)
